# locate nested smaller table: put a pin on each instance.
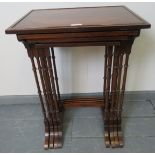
(112, 27)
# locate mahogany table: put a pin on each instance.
(114, 27)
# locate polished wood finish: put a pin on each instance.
(113, 27)
(50, 102)
(78, 19)
(84, 102)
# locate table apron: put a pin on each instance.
(63, 36)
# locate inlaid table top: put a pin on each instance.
(77, 20)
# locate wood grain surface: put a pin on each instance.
(77, 19)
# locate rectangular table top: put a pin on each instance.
(78, 20)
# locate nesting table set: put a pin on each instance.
(114, 27)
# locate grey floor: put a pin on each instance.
(22, 130)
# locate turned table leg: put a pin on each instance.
(48, 89)
(116, 64)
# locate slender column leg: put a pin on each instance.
(114, 88)
(113, 119)
(56, 79)
(50, 105)
(107, 79)
(106, 135)
(118, 97)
